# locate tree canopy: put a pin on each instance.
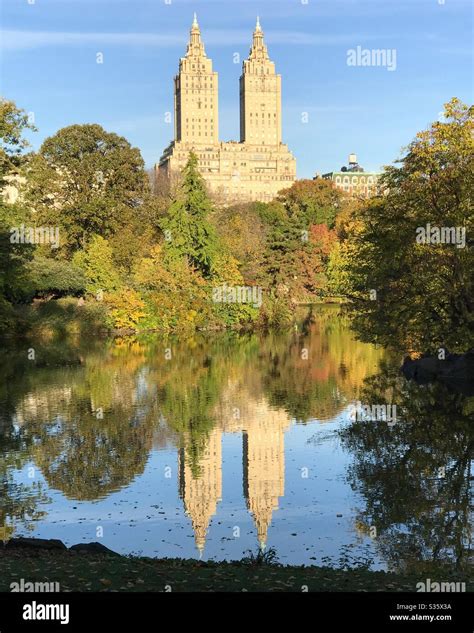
(424, 290)
(88, 182)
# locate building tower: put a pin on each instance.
(195, 94)
(257, 167)
(260, 96)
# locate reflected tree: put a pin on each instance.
(190, 384)
(18, 500)
(314, 371)
(415, 475)
(88, 436)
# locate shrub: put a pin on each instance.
(53, 278)
(126, 308)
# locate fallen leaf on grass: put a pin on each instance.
(105, 581)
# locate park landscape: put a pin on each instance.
(204, 393)
(117, 306)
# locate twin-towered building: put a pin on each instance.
(257, 167)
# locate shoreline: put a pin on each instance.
(103, 570)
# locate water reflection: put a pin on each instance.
(92, 418)
(263, 467)
(415, 477)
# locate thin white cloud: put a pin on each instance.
(456, 50)
(330, 108)
(13, 40)
(16, 40)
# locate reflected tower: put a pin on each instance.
(264, 464)
(201, 493)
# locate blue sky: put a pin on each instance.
(49, 67)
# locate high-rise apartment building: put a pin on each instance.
(257, 167)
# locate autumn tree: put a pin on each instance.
(412, 292)
(96, 264)
(242, 233)
(315, 201)
(314, 260)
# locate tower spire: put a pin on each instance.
(195, 46)
(258, 49)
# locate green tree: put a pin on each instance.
(48, 278)
(284, 239)
(318, 201)
(13, 124)
(187, 229)
(88, 182)
(13, 257)
(288, 245)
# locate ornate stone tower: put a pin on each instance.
(260, 96)
(195, 94)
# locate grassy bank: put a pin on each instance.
(104, 572)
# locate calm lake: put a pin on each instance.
(227, 442)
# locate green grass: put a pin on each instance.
(103, 572)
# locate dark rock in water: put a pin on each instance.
(92, 548)
(456, 371)
(422, 370)
(35, 543)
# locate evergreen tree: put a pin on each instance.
(188, 233)
(286, 239)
